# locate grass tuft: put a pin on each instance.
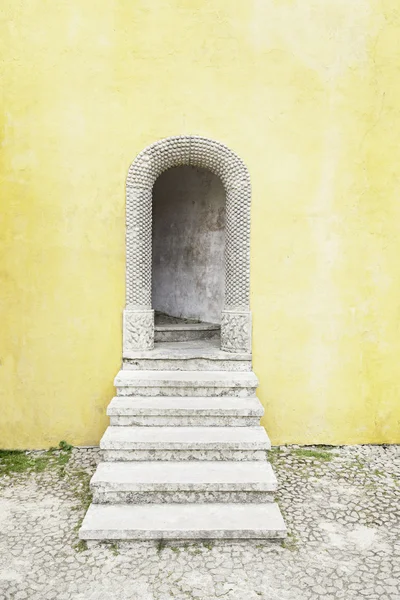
(81, 546)
(22, 461)
(209, 544)
(291, 542)
(309, 453)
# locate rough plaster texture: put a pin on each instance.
(343, 544)
(307, 93)
(189, 244)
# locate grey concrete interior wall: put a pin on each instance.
(188, 244)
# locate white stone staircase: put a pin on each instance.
(185, 456)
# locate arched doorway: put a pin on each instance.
(202, 153)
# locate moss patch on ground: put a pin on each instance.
(311, 453)
(22, 461)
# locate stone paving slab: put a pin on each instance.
(341, 506)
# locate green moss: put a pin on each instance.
(358, 463)
(80, 486)
(65, 446)
(81, 546)
(274, 453)
(21, 461)
(379, 473)
(310, 453)
(291, 543)
(14, 461)
(209, 544)
(114, 548)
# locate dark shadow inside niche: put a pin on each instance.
(188, 244)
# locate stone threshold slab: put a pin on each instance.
(187, 350)
(187, 327)
(128, 378)
(182, 521)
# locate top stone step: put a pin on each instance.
(186, 383)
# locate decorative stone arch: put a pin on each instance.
(138, 330)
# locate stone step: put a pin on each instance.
(200, 355)
(185, 383)
(184, 443)
(183, 482)
(182, 521)
(183, 332)
(184, 411)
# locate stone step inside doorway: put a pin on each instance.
(175, 329)
(186, 332)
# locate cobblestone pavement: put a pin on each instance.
(341, 506)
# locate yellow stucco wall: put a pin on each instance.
(307, 92)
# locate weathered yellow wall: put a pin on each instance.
(307, 92)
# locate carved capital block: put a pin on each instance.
(236, 331)
(138, 330)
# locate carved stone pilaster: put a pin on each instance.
(236, 331)
(138, 330)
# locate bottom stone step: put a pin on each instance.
(182, 521)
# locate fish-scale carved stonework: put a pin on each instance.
(236, 331)
(138, 332)
(143, 172)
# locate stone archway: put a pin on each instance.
(138, 328)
